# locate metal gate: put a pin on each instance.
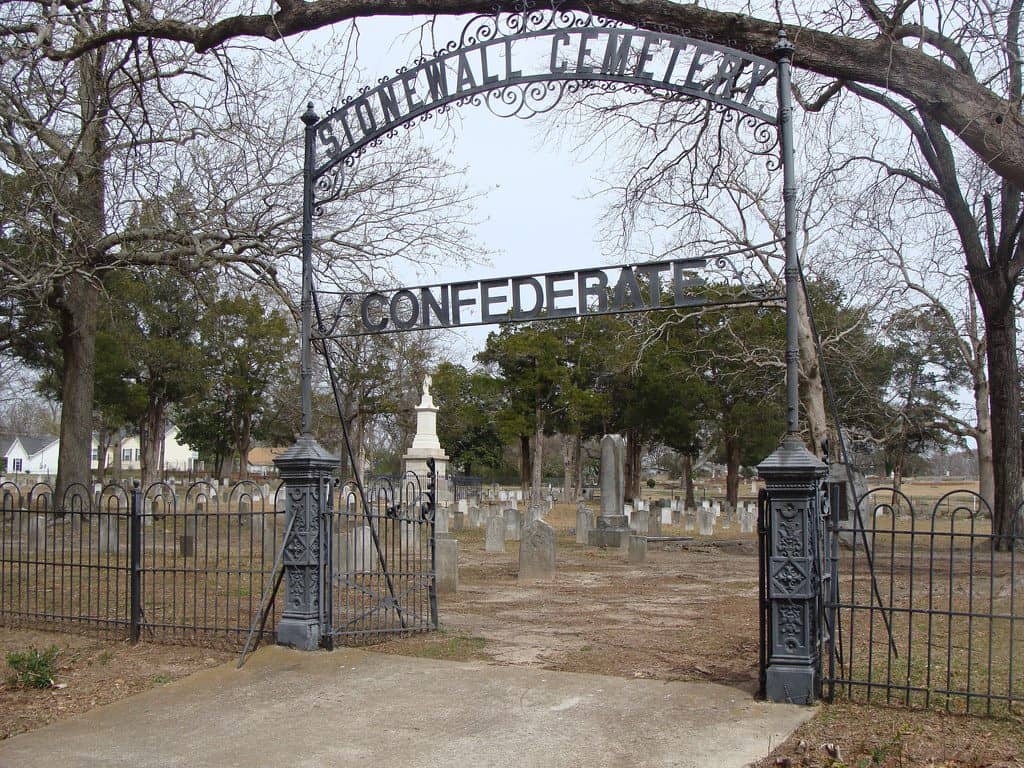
(379, 560)
(927, 613)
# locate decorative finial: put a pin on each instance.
(310, 116)
(783, 48)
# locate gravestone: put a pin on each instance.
(537, 553)
(476, 517)
(640, 522)
(271, 534)
(458, 520)
(748, 518)
(612, 526)
(666, 516)
(584, 522)
(106, 534)
(446, 558)
(653, 523)
(35, 528)
(187, 538)
(512, 527)
(441, 521)
(360, 554)
(494, 540)
(462, 507)
(534, 512)
(409, 538)
(689, 519)
(637, 549)
(706, 520)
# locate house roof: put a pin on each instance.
(32, 444)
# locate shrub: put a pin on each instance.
(33, 668)
(651, 482)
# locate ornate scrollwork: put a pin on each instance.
(328, 322)
(742, 276)
(418, 92)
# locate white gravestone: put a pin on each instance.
(707, 522)
(512, 526)
(495, 536)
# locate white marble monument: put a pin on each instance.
(425, 444)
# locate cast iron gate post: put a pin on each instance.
(305, 470)
(789, 563)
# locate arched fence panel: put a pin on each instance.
(927, 611)
(168, 562)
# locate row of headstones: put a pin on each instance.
(470, 514)
(501, 495)
(648, 522)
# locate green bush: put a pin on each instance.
(651, 482)
(33, 668)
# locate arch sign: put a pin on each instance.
(520, 65)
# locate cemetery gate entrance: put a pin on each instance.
(376, 543)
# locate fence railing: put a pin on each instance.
(186, 565)
(926, 611)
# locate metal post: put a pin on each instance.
(305, 469)
(784, 53)
(310, 118)
(135, 557)
(788, 514)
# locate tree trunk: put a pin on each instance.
(359, 439)
(690, 501)
(242, 446)
(570, 457)
(78, 345)
(578, 474)
(151, 439)
(983, 438)
(633, 453)
(811, 388)
(1004, 396)
(732, 471)
(79, 302)
(525, 464)
(538, 457)
(103, 440)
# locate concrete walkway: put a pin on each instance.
(355, 708)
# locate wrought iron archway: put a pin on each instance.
(489, 65)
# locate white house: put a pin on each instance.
(178, 457)
(27, 454)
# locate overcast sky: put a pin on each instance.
(540, 211)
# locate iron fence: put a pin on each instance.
(465, 486)
(925, 611)
(184, 565)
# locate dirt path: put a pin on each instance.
(688, 613)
